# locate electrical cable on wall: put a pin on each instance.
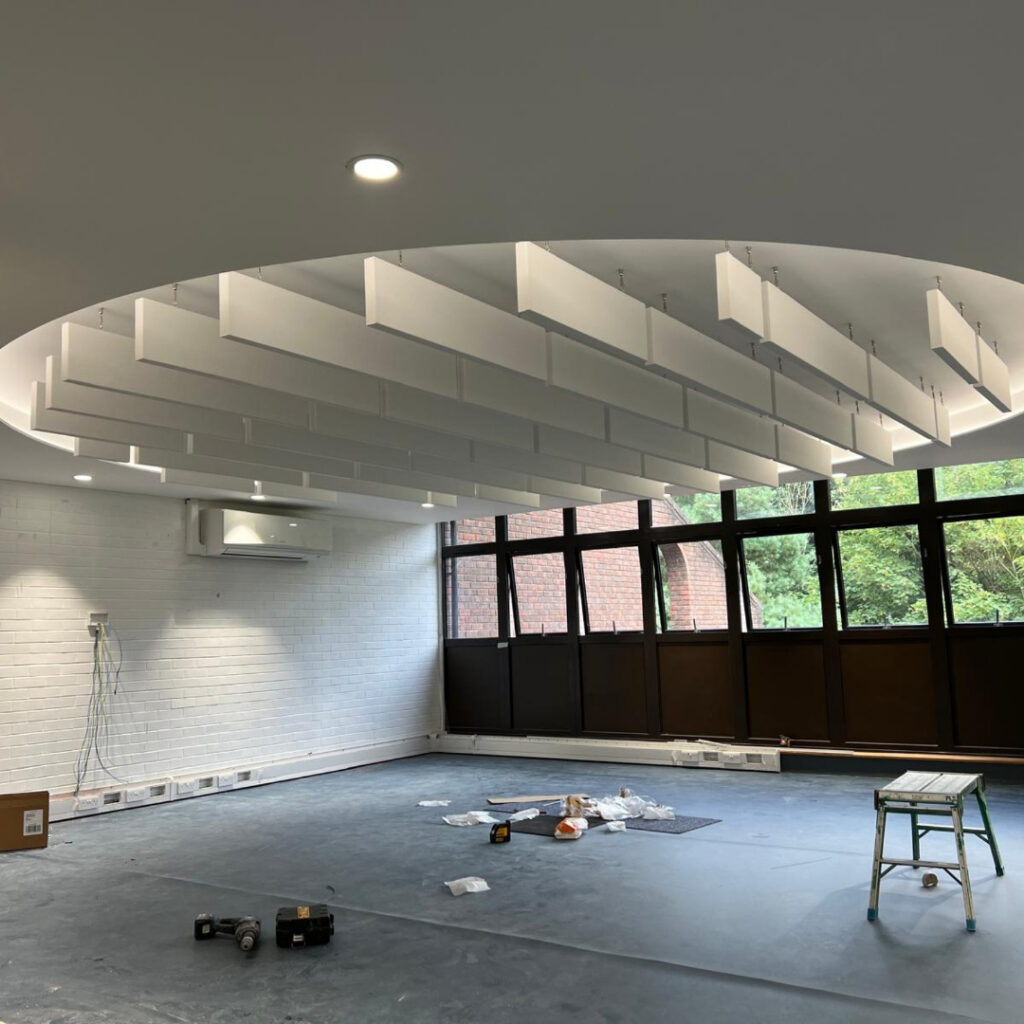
(106, 674)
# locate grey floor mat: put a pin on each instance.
(544, 824)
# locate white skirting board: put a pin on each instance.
(188, 785)
(682, 753)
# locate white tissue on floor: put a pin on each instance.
(433, 803)
(530, 812)
(471, 818)
(468, 884)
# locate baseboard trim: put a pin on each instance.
(193, 784)
(680, 753)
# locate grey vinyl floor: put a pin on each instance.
(760, 918)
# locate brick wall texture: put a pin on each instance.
(226, 663)
(693, 574)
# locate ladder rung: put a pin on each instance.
(945, 865)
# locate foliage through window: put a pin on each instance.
(985, 563)
(882, 577)
(471, 596)
(539, 595)
(692, 578)
(982, 480)
(613, 595)
(616, 515)
(792, 499)
(875, 491)
(698, 508)
(782, 581)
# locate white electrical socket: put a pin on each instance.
(186, 787)
(87, 803)
(95, 620)
(225, 781)
(133, 796)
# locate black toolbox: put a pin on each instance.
(304, 926)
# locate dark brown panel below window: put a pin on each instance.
(696, 689)
(472, 688)
(786, 690)
(542, 696)
(613, 688)
(888, 692)
(988, 691)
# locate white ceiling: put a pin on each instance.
(147, 143)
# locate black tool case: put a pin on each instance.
(304, 926)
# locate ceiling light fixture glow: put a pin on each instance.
(83, 478)
(374, 167)
(257, 494)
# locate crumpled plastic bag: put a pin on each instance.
(471, 883)
(471, 818)
(571, 828)
(615, 826)
(525, 815)
(629, 805)
(433, 803)
(657, 811)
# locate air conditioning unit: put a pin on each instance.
(236, 533)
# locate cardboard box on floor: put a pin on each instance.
(24, 821)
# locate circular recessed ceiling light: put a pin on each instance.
(374, 167)
(83, 478)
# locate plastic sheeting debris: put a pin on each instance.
(471, 883)
(615, 826)
(617, 808)
(471, 818)
(525, 815)
(433, 803)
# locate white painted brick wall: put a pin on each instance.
(226, 663)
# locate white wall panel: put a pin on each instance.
(903, 401)
(331, 421)
(797, 449)
(176, 337)
(243, 469)
(563, 492)
(405, 303)
(724, 422)
(739, 293)
(286, 454)
(794, 331)
(871, 439)
(819, 416)
(692, 477)
(566, 299)
(577, 448)
(348, 485)
(951, 337)
(993, 377)
(942, 427)
(687, 355)
(511, 393)
(110, 451)
(535, 463)
(742, 465)
(623, 483)
(478, 472)
(242, 485)
(450, 485)
(410, 406)
(276, 318)
(575, 367)
(644, 435)
(101, 359)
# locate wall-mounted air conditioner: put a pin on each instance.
(236, 533)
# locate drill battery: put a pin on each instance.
(311, 925)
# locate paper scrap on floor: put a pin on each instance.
(525, 815)
(471, 883)
(433, 803)
(471, 818)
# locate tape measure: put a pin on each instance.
(502, 832)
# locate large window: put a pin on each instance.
(691, 586)
(875, 491)
(544, 522)
(469, 531)
(616, 515)
(471, 596)
(880, 580)
(538, 594)
(693, 508)
(611, 591)
(983, 480)
(985, 563)
(785, 500)
(781, 582)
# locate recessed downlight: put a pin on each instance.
(427, 504)
(293, 524)
(374, 167)
(83, 478)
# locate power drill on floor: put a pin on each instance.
(244, 930)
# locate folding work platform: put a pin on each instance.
(936, 794)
